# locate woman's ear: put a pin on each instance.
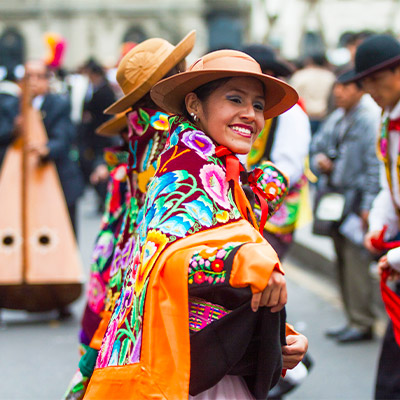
(192, 103)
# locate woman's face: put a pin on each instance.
(233, 114)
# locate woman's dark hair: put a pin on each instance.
(203, 92)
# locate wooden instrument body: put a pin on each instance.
(40, 266)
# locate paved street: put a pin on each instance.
(39, 354)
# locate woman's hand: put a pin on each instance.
(367, 241)
(384, 264)
(294, 351)
(274, 295)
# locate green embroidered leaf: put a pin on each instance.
(124, 350)
(144, 116)
(116, 280)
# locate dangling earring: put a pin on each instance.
(194, 116)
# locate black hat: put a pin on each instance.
(268, 59)
(376, 53)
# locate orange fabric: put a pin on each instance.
(97, 338)
(254, 260)
(290, 330)
(164, 368)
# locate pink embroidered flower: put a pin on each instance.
(134, 127)
(214, 181)
(384, 147)
(107, 346)
(96, 292)
(280, 217)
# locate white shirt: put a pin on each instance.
(383, 211)
(291, 143)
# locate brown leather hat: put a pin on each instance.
(170, 93)
(114, 125)
(145, 65)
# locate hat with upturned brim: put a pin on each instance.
(376, 53)
(114, 126)
(145, 65)
(169, 94)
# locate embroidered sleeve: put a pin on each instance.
(274, 184)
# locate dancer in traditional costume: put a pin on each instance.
(147, 135)
(201, 307)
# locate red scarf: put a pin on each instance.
(233, 169)
(392, 305)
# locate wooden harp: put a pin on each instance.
(40, 266)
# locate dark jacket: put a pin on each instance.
(92, 117)
(9, 109)
(61, 132)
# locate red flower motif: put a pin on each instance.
(199, 277)
(217, 265)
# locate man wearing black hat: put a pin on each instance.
(343, 156)
(377, 67)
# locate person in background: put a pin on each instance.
(9, 110)
(377, 68)
(99, 95)
(55, 111)
(314, 84)
(343, 156)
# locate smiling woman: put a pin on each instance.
(200, 268)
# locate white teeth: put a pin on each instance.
(242, 130)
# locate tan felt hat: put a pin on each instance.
(170, 93)
(114, 125)
(145, 65)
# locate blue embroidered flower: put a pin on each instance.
(178, 225)
(201, 210)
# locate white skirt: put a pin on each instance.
(228, 388)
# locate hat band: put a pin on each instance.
(223, 63)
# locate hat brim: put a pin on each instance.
(384, 65)
(114, 126)
(180, 52)
(169, 94)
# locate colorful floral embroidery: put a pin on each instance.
(199, 142)
(96, 292)
(214, 181)
(208, 265)
(135, 125)
(159, 121)
(180, 202)
(155, 243)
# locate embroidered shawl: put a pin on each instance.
(190, 207)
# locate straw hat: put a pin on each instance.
(145, 65)
(170, 93)
(113, 126)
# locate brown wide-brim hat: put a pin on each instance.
(145, 65)
(114, 126)
(169, 94)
